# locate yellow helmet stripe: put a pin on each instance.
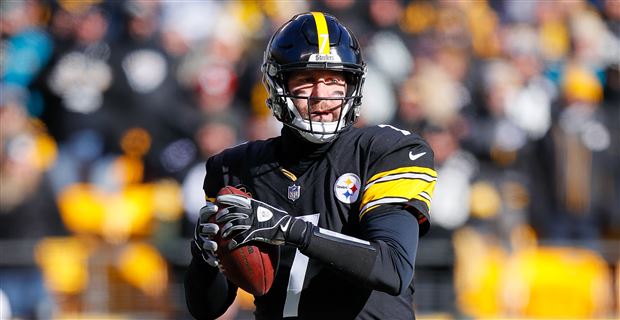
(323, 33)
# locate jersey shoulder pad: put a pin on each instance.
(246, 154)
(383, 140)
(236, 164)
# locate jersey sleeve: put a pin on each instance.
(231, 167)
(400, 171)
(214, 180)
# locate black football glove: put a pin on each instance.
(203, 245)
(248, 220)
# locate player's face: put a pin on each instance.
(318, 84)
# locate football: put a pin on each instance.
(252, 267)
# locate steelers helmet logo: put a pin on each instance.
(347, 188)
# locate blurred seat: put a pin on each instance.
(558, 282)
(64, 263)
(531, 282)
(479, 265)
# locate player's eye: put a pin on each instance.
(334, 81)
(305, 81)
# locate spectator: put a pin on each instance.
(28, 210)
(28, 50)
(577, 140)
(75, 86)
(146, 94)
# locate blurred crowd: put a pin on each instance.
(108, 110)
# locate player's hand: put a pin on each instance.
(246, 219)
(203, 245)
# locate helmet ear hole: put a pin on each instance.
(284, 76)
(352, 81)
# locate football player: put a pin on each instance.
(346, 205)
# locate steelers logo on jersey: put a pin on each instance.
(347, 188)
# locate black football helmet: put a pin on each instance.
(313, 41)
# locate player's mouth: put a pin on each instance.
(322, 116)
(327, 115)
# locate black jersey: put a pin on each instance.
(358, 172)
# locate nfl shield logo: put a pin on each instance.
(293, 192)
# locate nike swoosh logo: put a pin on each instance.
(415, 156)
(285, 227)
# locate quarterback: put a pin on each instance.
(348, 204)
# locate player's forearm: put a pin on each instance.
(207, 292)
(380, 264)
(353, 257)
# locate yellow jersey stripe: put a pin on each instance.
(419, 176)
(289, 174)
(373, 204)
(367, 208)
(403, 170)
(425, 195)
(406, 189)
(403, 188)
(322, 32)
(423, 199)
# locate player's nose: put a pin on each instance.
(320, 89)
